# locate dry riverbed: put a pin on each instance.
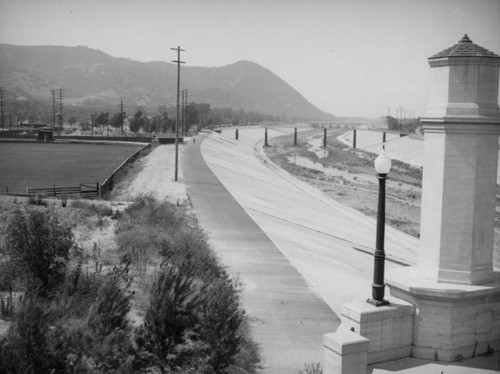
(348, 176)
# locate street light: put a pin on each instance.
(382, 167)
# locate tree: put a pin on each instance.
(193, 115)
(117, 120)
(172, 313)
(136, 122)
(220, 324)
(392, 123)
(107, 336)
(38, 247)
(154, 124)
(25, 348)
(102, 119)
(72, 120)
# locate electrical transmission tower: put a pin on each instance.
(179, 62)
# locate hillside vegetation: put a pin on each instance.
(158, 300)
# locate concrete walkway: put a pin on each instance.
(288, 318)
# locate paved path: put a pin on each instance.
(288, 317)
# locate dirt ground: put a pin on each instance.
(153, 175)
(348, 176)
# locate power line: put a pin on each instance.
(179, 62)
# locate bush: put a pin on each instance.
(194, 319)
(38, 247)
(171, 315)
(107, 336)
(101, 340)
(147, 212)
(312, 368)
(189, 251)
(110, 309)
(38, 200)
(220, 324)
(25, 349)
(248, 356)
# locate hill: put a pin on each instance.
(92, 76)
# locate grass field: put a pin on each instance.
(45, 165)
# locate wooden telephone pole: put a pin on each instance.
(179, 62)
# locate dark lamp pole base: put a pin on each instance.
(378, 302)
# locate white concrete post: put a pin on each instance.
(454, 287)
(345, 352)
(461, 129)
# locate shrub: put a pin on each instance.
(25, 349)
(38, 200)
(220, 324)
(193, 321)
(101, 340)
(189, 251)
(312, 368)
(172, 313)
(248, 356)
(37, 246)
(150, 213)
(107, 337)
(110, 309)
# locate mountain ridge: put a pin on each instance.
(88, 74)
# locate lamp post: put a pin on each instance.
(382, 167)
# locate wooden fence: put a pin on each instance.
(82, 190)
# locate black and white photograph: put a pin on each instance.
(249, 186)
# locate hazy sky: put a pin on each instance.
(345, 57)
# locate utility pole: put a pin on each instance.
(1, 105)
(60, 110)
(179, 62)
(53, 108)
(183, 112)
